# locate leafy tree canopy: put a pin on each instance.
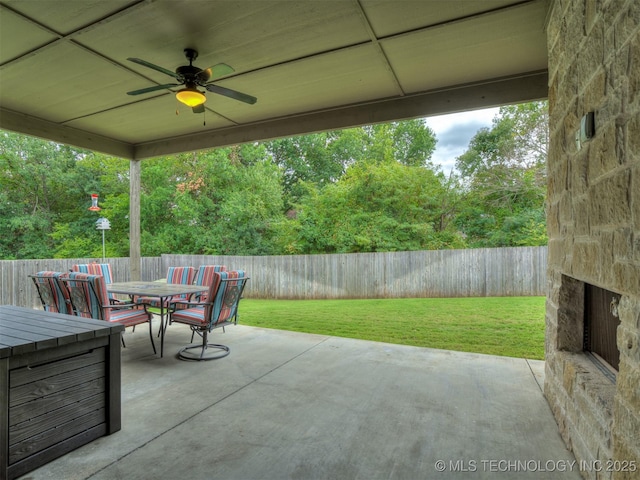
(364, 189)
(504, 172)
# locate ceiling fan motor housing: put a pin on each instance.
(192, 74)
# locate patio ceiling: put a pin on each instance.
(313, 65)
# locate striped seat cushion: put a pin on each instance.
(190, 316)
(128, 317)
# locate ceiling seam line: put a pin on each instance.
(61, 37)
(381, 39)
(89, 115)
(453, 21)
(378, 47)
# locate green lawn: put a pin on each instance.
(509, 326)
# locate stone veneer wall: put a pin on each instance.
(594, 225)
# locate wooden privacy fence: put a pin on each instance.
(483, 272)
(16, 288)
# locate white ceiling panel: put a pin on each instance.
(64, 73)
(23, 33)
(150, 120)
(470, 50)
(390, 18)
(62, 82)
(349, 76)
(67, 16)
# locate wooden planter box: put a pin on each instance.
(59, 385)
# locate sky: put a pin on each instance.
(454, 131)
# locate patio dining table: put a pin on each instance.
(162, 291)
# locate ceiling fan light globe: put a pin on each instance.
(191, 97)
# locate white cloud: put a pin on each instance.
(454, 131)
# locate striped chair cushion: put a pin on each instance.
(89, 297)
(54, 295)
(177, 275)
(103, 269)
(197, 315)
(190, 316)
(128, 316)
(221, 310)
(93, 301)
(205, 277)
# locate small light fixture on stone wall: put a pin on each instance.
(587, 129)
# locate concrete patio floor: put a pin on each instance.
(286, 405)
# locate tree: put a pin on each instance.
(42, 187)
(504, 172)
(221, 201)
(375, 206)
(322, 158)
(409, 142)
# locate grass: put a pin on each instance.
(508, 326)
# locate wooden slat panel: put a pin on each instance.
(114, 385)
(24, 375)
(61, 352)
(44, 456)
(480, 272)
(36, 425)
(4, 409)
(46, 439)
(50, 403)
(56, 383)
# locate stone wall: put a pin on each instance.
(594, 226)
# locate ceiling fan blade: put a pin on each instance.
(198, 108)
(144, 63)
(153, 89)
(218, 70)
(243, 97)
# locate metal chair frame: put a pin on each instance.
(50, 301)
(225, 295)
(81, 307)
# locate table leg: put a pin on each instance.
(162, 327)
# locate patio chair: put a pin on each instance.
(103, 269)
(176, 275)
(89, 299)
(202, 317)
(205, 277)
(53, 294)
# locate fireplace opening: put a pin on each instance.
(600, 328)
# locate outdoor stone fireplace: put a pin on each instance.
(594, 229)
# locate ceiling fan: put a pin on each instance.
(192, 77)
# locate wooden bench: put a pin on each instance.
(59, 385)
